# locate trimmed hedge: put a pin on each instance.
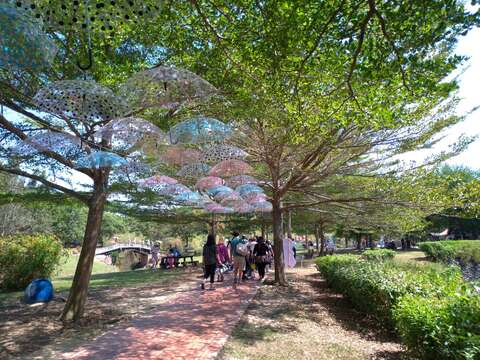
(446, 251)
(26, 257)
(406, 297)
(379, 254)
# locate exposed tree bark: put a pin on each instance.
(213, 226)
(280, 277)
(322, 238)
(289, 225)
(77, 297)
(317, 238)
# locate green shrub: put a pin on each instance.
(378, 254)
(423, 303)
(466, 250)
(26, 257)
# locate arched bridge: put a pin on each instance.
(122, 247)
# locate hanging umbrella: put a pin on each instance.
(220, 152)
(217, 209)
(80, 100)
(243, 208)
(173, 189)
(124, 133)
(229, 168)
(252, 198)
(193, 170)
(100, 159)
(157, 180)
(262, 206)
(23, 44)
(62, 144)
(248, 188)
(178, 155)
(199, 130)
(208, 182)
(76, 15)
(219, 189)
(190, 198)
(230, 199)
(166, 88)
(238, 180)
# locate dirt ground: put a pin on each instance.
(34, 332)
(308, 321)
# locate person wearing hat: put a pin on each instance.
(236, 244)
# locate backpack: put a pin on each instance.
(242, 249)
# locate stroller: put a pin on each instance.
(220, 270)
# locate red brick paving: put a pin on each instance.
(193, 325)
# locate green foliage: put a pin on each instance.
(466, 250)
(26, 257)
(378, 254)
(435, 312)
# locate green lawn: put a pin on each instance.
(102, 276)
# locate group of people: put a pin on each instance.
(244, 255)
(168, 260)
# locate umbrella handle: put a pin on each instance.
(90, 61)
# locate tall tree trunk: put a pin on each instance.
(322, 239)
(280, 277)
(77, 297)
(289, 225)
(263, 229)
(317, 238)
(213, 226)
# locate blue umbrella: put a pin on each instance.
(188, 197)
(194, 170)
(219, 189)
(248, 188)
(100, 159)
(199, 130)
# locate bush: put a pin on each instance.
(26, 257)
(446, 251)
(421, 302)
(378, 254)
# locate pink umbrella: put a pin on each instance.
(229, 168)
(253, 198)
(157, 180)
(221, 195)
(217, 208)
(208, 182)
(178, 155)
(243, 208)
(262, 206)
(231, 199)
(238, 180)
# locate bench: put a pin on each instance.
(187, 260)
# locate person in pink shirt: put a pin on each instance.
(222, 251)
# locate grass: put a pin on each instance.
(102, 276)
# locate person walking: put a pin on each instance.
(238, 251)
(155, 251)
(260, 253)
(210, 258)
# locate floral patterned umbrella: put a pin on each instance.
(79, 100)
(208, 182)
(243, 208)
(188, 198)
(178, 155)
(253, 198)
(217, 209)
(219, 152)
(173, 189)
(165, 87)
(62, 144)
(229, 168)
(199, 130)
(219, 189)
(157, 180)
(23, 44)
(262, 206)
(100, 159)
(124, 133)
(248, 188)
(193, 170)
(238, 180)
(230, 199)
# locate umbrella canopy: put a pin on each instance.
(219, 152)
(124, 133)
(157, 180)
(190, 198)
(230, 199)
(193, 170)
(219, 189)
(173, 190)
(165, 87)
(262, 206)
(23, 44)
(238, 180)
(100, 159)
(199, 130)
(178, 155)
(80, 100)
(248, 188)
(243, 208)
(253, 198)
(62, 144)
(208, 182)
(217, 209)
(229, 168)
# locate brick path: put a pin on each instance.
(193, 325)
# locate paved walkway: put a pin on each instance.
(193, 325)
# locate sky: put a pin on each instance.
(469, 92)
